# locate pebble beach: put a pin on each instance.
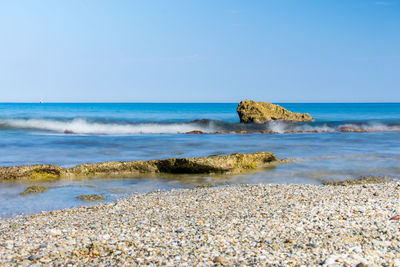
(228, 225)
(200, 133)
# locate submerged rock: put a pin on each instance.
(92, 197)
(359, 181)
(230, 164)
(34, 189)
(260, 112)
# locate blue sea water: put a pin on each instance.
(36, 134)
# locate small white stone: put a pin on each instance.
(55, 232)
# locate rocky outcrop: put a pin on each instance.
(230, 164)
(260, 112)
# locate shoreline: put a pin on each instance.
(229, 225)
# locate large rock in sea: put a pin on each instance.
(260, 112)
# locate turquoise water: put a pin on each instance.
(34, 134)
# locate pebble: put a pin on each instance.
(219, 260)
(31, 258)
(55, 232)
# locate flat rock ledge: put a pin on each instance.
(224, 164)
(255, 225)
(250, 111)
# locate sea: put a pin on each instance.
(68, 134)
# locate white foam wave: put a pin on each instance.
(81, 126)
(283, 127)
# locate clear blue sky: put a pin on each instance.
(200, 51)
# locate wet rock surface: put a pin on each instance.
(250, 111)
(256, 225)
(229, 164)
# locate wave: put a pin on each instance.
(283, 127)
(86, 126)
(83, 126)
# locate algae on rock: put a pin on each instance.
(35, 172)
(250, 111)
(228, 164)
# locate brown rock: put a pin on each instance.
(260, 112)
(268, 132)
(195, 132)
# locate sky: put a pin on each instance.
(200, 51)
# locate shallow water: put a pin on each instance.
(34, 134)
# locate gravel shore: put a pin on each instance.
(232, 225)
